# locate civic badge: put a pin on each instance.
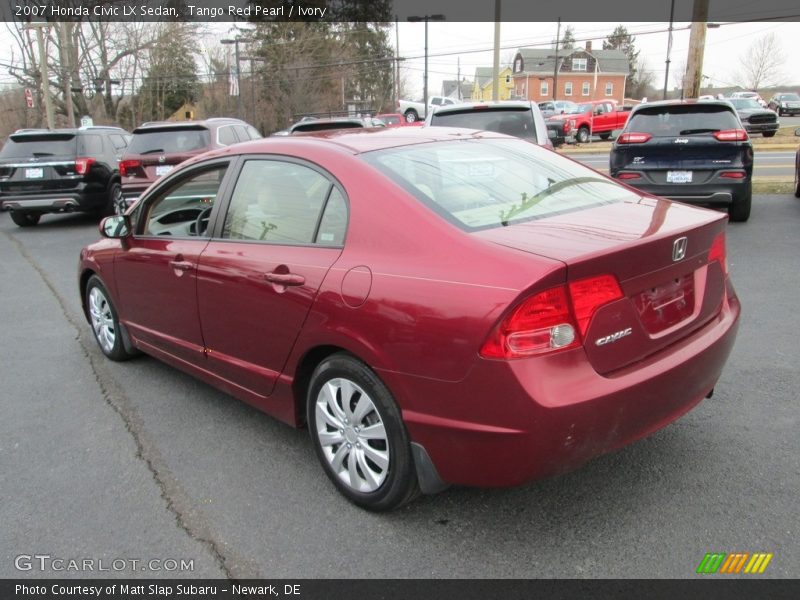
(679, 248)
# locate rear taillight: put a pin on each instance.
(126, 167)
(550, 320)
(82, 165)
(731, 135)
(590, 294)
(629, 176)
(719, 253)
(633, 138)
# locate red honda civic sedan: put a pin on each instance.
(437, 306)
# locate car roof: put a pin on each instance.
(192, 124)
(684, 102)
(69, 130)
(482, 105)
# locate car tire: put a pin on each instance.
(739, 210)
(797, 181)
(583, 135)
(104, 321)
(769, 133)
(604, 136)
(25, 219)
(374, 470)
(116, 202)
(411, 116)
(780, 112)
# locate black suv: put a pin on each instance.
(688, 150)
(60, 170)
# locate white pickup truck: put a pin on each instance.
(415, 111)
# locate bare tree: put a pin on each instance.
(761, 64)
(643, 83)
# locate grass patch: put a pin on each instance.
(766, 186)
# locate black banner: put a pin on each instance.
(708, 588)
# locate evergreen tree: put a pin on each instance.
(620, 39)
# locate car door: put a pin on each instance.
(156, 270)
(283, 229)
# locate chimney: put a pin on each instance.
(588, 45)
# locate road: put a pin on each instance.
(136, 460)
(773, 164)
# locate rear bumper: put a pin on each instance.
(510, 422)
(712, 194)
(45, 203)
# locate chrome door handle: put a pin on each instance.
(285, 278)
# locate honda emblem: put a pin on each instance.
(679, 249)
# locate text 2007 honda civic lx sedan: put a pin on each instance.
(438, 306)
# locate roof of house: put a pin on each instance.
(483, 75)
(449, 87)
(542, 60)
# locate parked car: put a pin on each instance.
(61, 170)
(159, 147)
(519, 118)
(687, 150)
(416, 111)
(439, 307)
(395, 120)
(785, 104)
(754, 118)
(752, 95)
(797, 167)
(550, 108)
(312, 125)
(598, 117)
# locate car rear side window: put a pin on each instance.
(479, 184)
(277, 202)
(518, 123)
(226, 135)
(683, 119)
(90, 144)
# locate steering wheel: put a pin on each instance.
(201, 223)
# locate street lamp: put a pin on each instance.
(426, 18)
(235, 42)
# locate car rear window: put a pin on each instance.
(166, 141)
(46, 144)
(511, 121)
(683, 119)
(326, 125)
(482, 184)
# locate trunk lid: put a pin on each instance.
(659, 253)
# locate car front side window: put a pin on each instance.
(183, 209)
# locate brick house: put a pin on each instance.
(583, 74)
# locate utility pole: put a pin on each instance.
(669, 48)
(458, 78)
(496, 63)
(555, 67)
(697, 40)
(396, 63)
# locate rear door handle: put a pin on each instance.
(285, 278)
(181, 265)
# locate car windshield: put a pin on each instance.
(742, 103)
(682, 119)
(27, 145)
(510, 121)
(481, 184)
(168, 141)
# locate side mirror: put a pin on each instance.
(115, 227)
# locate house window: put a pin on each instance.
(579, 64)
(543, 89)
(585, 88)
(568, 88)
(609, 89)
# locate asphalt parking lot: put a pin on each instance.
(137, 461)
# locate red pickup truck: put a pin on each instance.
(599, 117)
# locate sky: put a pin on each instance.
(725, 47)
